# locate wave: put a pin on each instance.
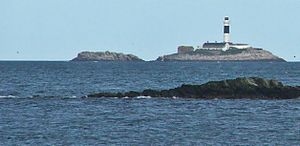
(143, 97)
(38, 96)
(8, 96)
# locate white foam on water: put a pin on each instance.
(55, 97)
(8, 96)
(71, 97)
(143, 97)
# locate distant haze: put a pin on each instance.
(59, 29)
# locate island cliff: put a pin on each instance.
(105, 56)
(232, 54)
(251, 87)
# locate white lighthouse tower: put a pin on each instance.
(226, 33)
(226, 30)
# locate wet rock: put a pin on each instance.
(251, 87)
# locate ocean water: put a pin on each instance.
(40, 104)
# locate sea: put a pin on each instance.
(41, 104)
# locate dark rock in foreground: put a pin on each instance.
(251, 87)
(105, 56)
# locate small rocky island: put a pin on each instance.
(250, 87)
(187, 53)
(105, 56)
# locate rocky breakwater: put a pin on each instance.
(232, 54)
(251, 87)
(105, 56)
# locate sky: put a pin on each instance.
(59, 29)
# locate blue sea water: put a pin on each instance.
(40, 104)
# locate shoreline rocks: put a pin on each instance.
(250, 87)
(105, 56)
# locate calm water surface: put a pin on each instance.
(40, 104)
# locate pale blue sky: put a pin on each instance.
(59, 29)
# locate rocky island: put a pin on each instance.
(250, 87)
(232, 54)
(105, 56)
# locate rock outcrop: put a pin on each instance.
(251, 88)
(105, 56)
(233, 54)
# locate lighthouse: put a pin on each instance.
(226, 44)
(226, 30)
